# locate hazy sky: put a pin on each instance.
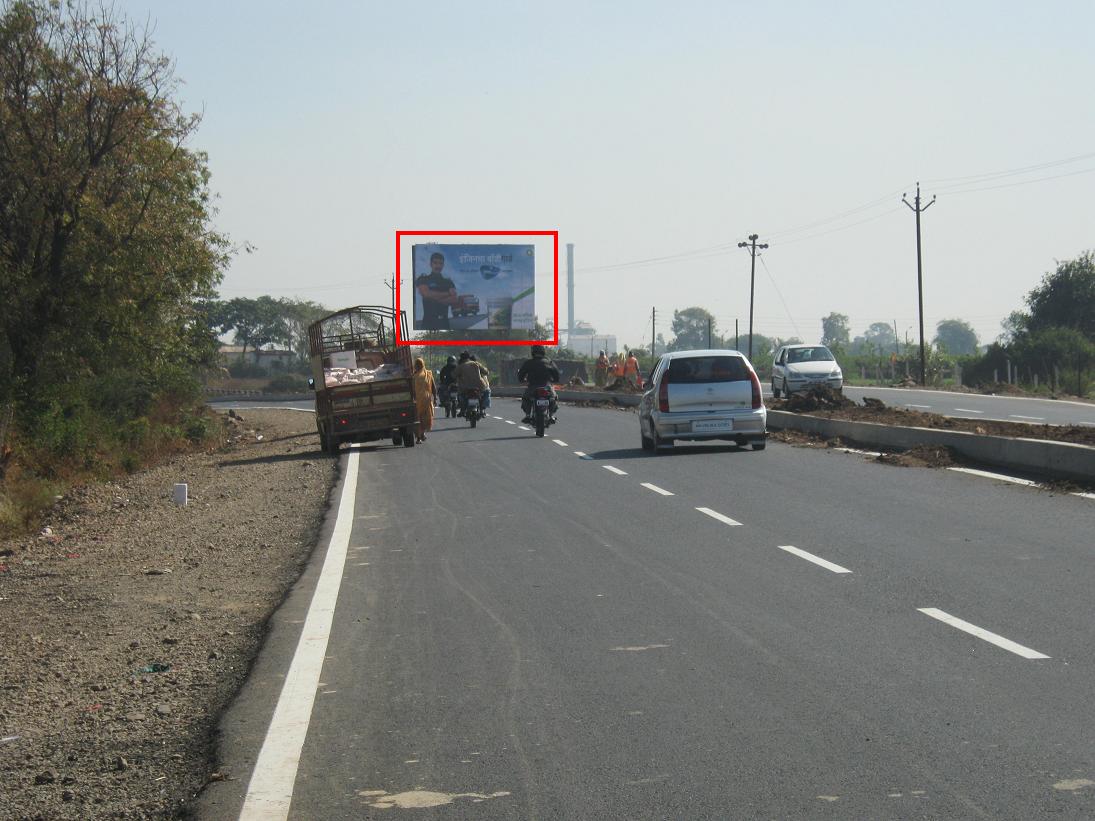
(648, 130)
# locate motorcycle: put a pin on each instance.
(473, 410)
(544, 409)
(452, 400)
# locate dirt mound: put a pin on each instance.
(815, 399)
(920, 456)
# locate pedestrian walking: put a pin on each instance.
(425, 396)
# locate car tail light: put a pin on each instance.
(663, 396)
(758, 400)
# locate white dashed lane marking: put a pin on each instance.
(561, 443)
(810, 557)
(982, 633)
(656, 489)
(617, 471)
(714, 514)
(510, 422)
(522, 427)
(1032, 418)
(582, 454)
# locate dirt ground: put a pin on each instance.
(130, 622)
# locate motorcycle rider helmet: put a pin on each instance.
(538, 351)
(452, 360)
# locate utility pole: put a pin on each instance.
(709, 333)
(737, 340)
(918, 210)
(653, 336)
(752, 246)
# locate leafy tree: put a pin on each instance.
(834, 330)
(1066, 297)
(690, 329)
(105, 245)
(956, 337)
(880, 335)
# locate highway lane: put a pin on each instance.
(522, 633)
(980, 406)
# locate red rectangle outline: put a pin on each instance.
(554, 341)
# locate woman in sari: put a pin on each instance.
(424, 395)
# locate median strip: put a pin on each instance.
(714, 514)
(810, 557)
(656, 489)
(981, 633)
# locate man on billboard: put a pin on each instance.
(438, 294)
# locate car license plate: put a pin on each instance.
(712, 425)
(473, 403)
(541, 403)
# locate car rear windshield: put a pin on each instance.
(809, 355)
(700, 369)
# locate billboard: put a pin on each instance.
(473, 287)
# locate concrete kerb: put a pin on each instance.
(1056, 460)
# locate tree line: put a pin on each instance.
(107, 250)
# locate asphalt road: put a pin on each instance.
(521, 632)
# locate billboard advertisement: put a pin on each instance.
(473, 287)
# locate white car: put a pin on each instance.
(700, 396)
(801, 367)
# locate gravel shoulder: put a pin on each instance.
(131, 622)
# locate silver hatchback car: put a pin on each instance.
(700, 396)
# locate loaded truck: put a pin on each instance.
(361, 378)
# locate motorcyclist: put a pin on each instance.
(446, 377)
(469, 375)
(485, 371)
(538, 372)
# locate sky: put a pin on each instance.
(654, 136)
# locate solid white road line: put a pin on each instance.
(714, 514)
(910, 405)
(1085, 495)
(1020, 416)
(981, 633)
(989, 475)
(656, 489)
(968, 410)
(271, 788)
(617, 471)
(810, 557)
(560, 443)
